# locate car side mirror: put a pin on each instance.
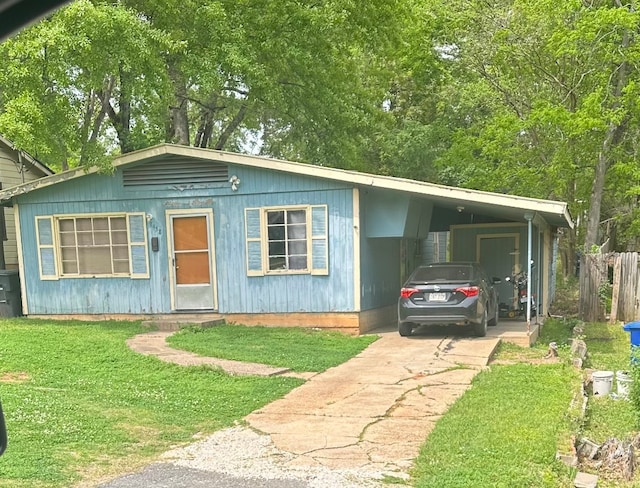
(3, 432)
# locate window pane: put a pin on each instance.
(120, 252)
(85, 238)
(277, 248)
(94, 260)
(276, 217)
(69, 267)
(276, 233)
(67, 225)
(297, 231)
(121, 266)
(277, 262)
(118, 223)
(190, 233)
(192, 268)
(296, 217)
(298, 247)
(298, 262)
(68, 253)
(119, 237)
(67, 239)
(101, 238)
(100, 224)
(84, 224)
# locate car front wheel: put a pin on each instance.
(480, 329)
(405, 329)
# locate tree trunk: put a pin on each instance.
(122, 120)
(178, 127)
(612, 136)
(232, 126)
(126, 144)
(90, 137)
(205, 129)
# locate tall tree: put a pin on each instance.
(538, 102)
(293, 79)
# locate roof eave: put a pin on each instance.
(556, 212)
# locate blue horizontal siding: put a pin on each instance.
(237, 292)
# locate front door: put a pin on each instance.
(190, 260)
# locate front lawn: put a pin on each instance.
(503, 432)
(506, 429)
(81, 406)
(295, 348)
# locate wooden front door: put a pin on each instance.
(193, 286)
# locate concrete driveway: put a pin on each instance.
(378, 408)
(359, 421)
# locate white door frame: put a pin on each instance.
(191, 212)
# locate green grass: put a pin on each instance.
(80, 404)
(608, 348)
(295, 348)
(503, 432)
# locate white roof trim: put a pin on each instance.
(550, 208)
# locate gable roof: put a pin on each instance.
(481, 202)
(25, 157)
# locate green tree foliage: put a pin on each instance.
(529, 97)
(302, 80)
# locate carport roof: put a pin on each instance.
(509, 207)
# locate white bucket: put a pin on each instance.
(623, 383)
(602, 382)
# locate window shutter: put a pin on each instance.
(46, 249)
(253, 228)
(138, 254)
(319, 240)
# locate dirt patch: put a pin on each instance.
(14, 377)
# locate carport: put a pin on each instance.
(506, 233)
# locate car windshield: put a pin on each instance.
(443, 273)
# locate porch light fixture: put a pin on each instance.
(235, 182)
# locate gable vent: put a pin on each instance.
(176, 172)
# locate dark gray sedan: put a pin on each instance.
(454, 293)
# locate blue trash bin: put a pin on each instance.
(634, 329)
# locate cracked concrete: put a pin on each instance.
(378, 408)
(367, 417)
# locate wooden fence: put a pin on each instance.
(616, 275)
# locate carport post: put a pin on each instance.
(529, 217)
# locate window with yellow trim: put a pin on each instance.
(92, 245)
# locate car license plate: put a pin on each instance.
(437, 297)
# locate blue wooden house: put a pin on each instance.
(177, 229)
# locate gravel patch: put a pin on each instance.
(243, 452)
